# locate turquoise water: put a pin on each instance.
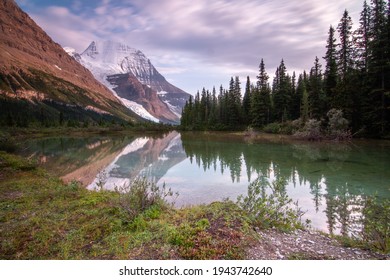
(328, 180)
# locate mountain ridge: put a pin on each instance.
(37, 76)
(108, 58)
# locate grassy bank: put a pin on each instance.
(42, 218)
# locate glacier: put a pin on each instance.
(107, 58)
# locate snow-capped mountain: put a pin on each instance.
(114, 63)
(144, 157)
(42, 82)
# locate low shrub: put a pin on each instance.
(270, 210)
(376, 224)
(334, 128)
(141, 195)
(338, 125)
(274, 128)
(311, 131)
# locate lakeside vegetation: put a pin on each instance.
(43, 218)
(353, 86)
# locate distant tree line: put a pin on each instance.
(23, 113)
(354, 81)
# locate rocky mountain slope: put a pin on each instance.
(133, 78)
(39, 80)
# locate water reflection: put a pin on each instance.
(329, 181)
(78, 159)
(146, 157)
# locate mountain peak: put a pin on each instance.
(108, 58)
(91, 50)
(110, 52)
(36, 69)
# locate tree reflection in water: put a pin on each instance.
(340, 175)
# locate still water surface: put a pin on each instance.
(329, 180)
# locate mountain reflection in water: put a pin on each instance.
(329, 181)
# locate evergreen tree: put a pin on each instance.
(345, 53)
(305, 106)
(362, 38)
(10, 119)
(262, 78)
(377, 44)
(61, 118)
(330, 76)
(234, 103)
(345, 88)
(246, 102)
(295, 98)
(260, 102)
(361, 102)
(222, 106)
(197, 116)
(281, 93)
(212, 120)
(356, 80)
(316, 99)
(378, 103)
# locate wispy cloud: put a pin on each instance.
(223, 34)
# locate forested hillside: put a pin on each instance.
(355, 81)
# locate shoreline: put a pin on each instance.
(43, 218)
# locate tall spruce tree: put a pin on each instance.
(305, 106)
(246, 102)
(260, 102)
(377, 116)
(281, 93)
(213, 116)
(331, 76)
(345, 91)
(345, 52)
(304, 97)
(358, 83)
(316, 98)
(362, 38)
(234, 103)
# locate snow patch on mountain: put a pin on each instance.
(133, 106)
(107, 58)
(70, 51)
(174, 109)
(101, 66)
(114, 58)
(138, 109)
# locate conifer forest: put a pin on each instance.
(353, 82)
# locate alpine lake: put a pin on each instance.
(329, 181)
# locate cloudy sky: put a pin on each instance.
(200, 43)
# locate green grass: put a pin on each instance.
(43, 218)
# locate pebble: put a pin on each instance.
(276, 245)
(280, 256)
